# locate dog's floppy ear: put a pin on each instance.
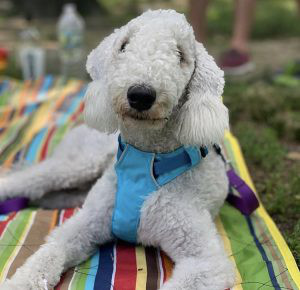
(203, 118)
(100, 57)
(98, 112)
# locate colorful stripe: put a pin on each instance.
(263, 254)
(141, 266)
(278, 243)
(126, 270)
(34, 146)
(153, 278)
(11, 239)
(90, 281)
(103, 280)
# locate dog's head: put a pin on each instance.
(151, 71)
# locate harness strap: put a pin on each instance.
(247, 201)
(13, 204)
(170, 163)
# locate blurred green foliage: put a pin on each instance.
(261, 145)
(273, 18)
(263, 102)
(120, 6)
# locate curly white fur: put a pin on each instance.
(158, 49)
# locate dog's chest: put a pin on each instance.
(139, 174)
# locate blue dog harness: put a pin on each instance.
(140, 174)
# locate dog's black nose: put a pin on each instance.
(141, 97)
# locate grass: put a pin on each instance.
(261, 115)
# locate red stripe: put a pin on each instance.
(45, 146)
(68, 213)
(78, 112)
(126, 272)
(3, 224)
(22, 110)
(58, 286)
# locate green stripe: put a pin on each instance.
(255, 219)
(11, 132)
(17, 140)
(80, 276)
(57, 137)
(12, 93)
(248, 259)
(12, 234)
(5, 97)
(276, 261)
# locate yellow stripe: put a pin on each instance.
(39, 121)
(53, 220)
(17, 248)
(227, 246)
(42, 117)
(279, 240)
(141, 277)
(4, 116)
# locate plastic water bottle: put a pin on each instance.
(70, 29)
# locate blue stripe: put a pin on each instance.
(35, 144)
(263, 254)
(72, 108)
(18, 155)
(45, 87)
(41, 93)
(105, 268)
(90, 281)
(4, 86)
(3, 217)
(30, 108)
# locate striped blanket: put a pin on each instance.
(33, 119)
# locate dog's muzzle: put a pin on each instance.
(141, 97)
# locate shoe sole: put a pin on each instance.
(240, 70)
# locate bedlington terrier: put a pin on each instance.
(157, 85)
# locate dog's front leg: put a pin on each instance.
(70, 243)
(190, 238)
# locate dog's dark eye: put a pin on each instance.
(180, 55)
(123, 46)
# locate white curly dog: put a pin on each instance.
(156, 84)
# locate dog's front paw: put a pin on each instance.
(6, 188)
(196, 274)
(10, 285)
(38, 284)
